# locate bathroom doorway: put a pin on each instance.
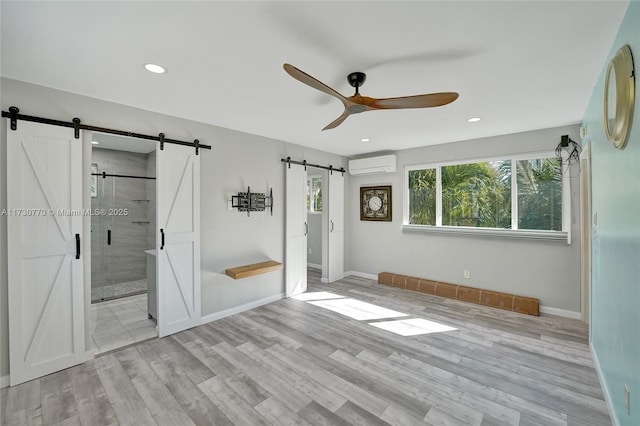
(123, 241)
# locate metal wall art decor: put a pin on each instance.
(252, 201)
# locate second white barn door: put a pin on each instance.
(336, 227)
(178, 239)
(296, 230)
(44, 200)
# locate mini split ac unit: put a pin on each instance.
(367, 166)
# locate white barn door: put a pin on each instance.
(44, 231)
(296, 230)
(178, 238)
(336, 227)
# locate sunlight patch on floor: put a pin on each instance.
(317, 295)
(357, 310)
(412, 327)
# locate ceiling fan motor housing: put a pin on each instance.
(356, 79)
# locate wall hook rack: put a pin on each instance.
(252, 201)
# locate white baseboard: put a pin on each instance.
(361, 275)
(603, 385)
(560, 312)
(324, 280)
(247, 306)
(4, 381)
(314, 266)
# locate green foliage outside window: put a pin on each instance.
(479, 195)
(314, 194)
(540, 194)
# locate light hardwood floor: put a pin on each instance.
(294, 363)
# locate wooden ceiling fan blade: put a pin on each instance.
(338, 121)
(305, 78)
(418, 101)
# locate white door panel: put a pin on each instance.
(296, 230)
(178, 239)
(46, 290)
(336, 227)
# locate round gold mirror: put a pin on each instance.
(619, 97)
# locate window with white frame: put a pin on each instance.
(314, 194)
(519, 193)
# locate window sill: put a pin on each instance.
(488, 232)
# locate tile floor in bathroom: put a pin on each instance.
(120, 322)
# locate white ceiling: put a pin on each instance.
(518, 65)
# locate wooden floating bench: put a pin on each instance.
(253, 269)
(495, 299)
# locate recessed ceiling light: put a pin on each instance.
(473, 119)
(95, 142)
(365, 140)
(156, 69)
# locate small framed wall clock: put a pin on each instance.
(375, 203)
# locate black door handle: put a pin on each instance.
(331, 226)
(77, 246)
(162, 239)
(108, 237)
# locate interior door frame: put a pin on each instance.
(585, 234)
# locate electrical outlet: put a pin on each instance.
(309, 251)
(467, 274)
(229, 205)
(627, 399)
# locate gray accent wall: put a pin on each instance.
(548, 270)
(228, 238)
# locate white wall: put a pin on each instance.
(228, 238)
(549, 270)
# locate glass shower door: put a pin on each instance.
(102, 230)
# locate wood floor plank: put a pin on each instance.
(58, 401)
(3, 403)
(355, 415)
(230, 403)
(93, 404)
(196, 370)
(498, 402)
(357, 395)
(267, 332)
(24, 396)
(279, 414)
(273, 384)
(317, 392)
(192, 400)
(471, 411)
(163, 406)
(251, 391)
(127, 403)
(398, 417)
(316, 414)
